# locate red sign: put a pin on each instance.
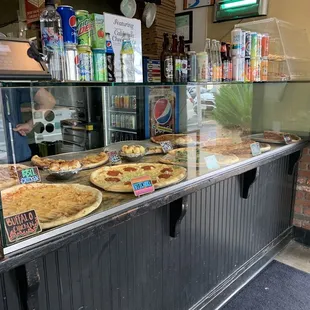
(33, 10)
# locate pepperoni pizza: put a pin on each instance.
(118, 178)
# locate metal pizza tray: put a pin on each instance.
(118, 145)
(259, 137)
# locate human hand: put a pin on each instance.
(23, 129)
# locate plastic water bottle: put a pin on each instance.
(127, 60)
(52, 40)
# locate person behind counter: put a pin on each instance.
(16, 130)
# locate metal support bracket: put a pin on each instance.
(293, 162)
(28, 279)
(177, 211)
(247, 179)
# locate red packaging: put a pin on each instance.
(265, 45)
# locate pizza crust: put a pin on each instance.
(56, 211)
(9, 182)
(99, 176)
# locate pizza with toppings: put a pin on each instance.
(86, 162)
(118, 178)
(190, 139)
(8, 175)
(239, 149)
(55, 204)
(195, 157)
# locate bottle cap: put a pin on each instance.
(49, 2)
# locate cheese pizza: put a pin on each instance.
(55, 204)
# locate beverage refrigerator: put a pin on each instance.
(140, 112)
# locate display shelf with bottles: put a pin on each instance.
(288, 53)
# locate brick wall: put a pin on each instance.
(302, 202)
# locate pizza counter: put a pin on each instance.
(187, 245)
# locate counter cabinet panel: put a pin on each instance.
(138, 266)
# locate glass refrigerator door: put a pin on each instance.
(122, 114)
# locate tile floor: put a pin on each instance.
(296, 255)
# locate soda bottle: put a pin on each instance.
(110, 58)
(229, 62)
(127, 60)
(219, 61)
(176, 60)
(52, 40)
(208, 51)
(166, 61)
(183, 58)
(225, 63)
(214, 60)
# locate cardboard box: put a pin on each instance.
(117, 25)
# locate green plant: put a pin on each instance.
(234, 106)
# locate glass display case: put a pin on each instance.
(94, 144)
(288, 53)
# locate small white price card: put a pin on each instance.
(255, 149)
(287, 139)
(166, 146)
(211, 162)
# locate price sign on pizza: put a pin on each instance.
(22, 225)
(142, 185)
(29, 175)
(166, 146)
(114, 158)
(211, 162)
(287, 139)
(255, 149)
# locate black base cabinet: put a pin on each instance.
(137, 265)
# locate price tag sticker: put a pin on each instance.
(142, 185)
(29, 175)
(287, 139)
(22, 225)
(166, 146)
(114, 157)
(255, 149)
(211, 162)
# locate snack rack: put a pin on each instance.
(289, 57)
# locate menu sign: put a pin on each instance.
(29, 175)
(22, 225)
(33, 10)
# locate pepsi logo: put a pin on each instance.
(162, 111)
(72, 21)
(109, 44)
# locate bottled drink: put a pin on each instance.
(183, 59)
(214, 61)
(176, 60)
(230, 69)
(219, 61)
(52, 40)
(166, 61)
(127, 61)
(110, 58)
(210, 67)
(225, 63)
